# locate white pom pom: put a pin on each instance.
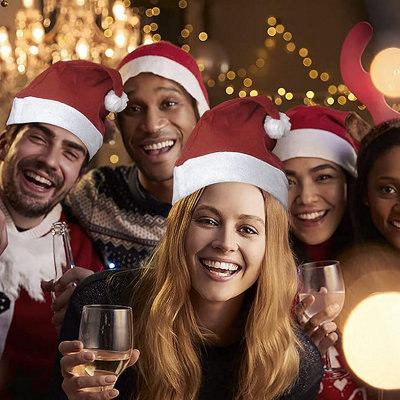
(277, 128)
(114, 103)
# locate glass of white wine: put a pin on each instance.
(106, 331)
(324, 281)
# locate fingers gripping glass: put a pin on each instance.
(324, 281)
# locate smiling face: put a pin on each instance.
(383, 195)
(38, 169)
(155, 125)
(225, 242)
(317, 198)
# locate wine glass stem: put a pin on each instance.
(327, 361)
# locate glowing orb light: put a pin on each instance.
(385, 71)
(371, 340)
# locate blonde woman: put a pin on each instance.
(212, 308)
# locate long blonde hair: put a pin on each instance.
(166, 328)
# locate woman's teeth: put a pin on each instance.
(311, 216)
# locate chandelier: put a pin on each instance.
(101, 31)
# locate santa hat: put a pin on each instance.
(318, 132)
(74, 95)
(168, 61)
(232, 143)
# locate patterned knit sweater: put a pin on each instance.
(124, 222)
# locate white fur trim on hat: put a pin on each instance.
(319, 144)
(168, 69)
(114, 103)
(206, 170)
(277, 128)
(34, 109)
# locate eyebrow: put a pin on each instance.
(158, 89)
(314, 169)
(50, 134)
(242, 217)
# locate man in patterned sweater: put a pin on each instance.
(123, 209)
(55, 126)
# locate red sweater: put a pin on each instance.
(29, 354)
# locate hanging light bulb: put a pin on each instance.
(385, 71)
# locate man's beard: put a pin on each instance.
(27, 204)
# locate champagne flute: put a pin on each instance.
(107, 332)
(323, 280)
(62, 252)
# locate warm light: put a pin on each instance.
(203, 36)
(247, 82)
(38, 33)
(303, 52)
(27, 3)
(260, 62)
(307, 62)
(3, 36)
(310, 94)
(313, 74)
(330, 100)
(332, 89)
(34, 50)
(120, 39)
(82, 49)
(271, 31)
(342, 100)
(5, 51)
(287, 36)
(281, 91)
(211, 83)
(271, 21)
(280, 28)
(372, 346)
(229, 90)
(291, 47)
(242, 93)
(109, 52)
(119, 11)
(114, 159)
(324, 77)
(385, 72)
(231, 75)
(289, 96)
(253, 93)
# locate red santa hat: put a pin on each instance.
(318, 132)
(232, 143)
(74, 95)
(168, 61)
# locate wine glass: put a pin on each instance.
(62, 252)
(106, 331)
(323, 280)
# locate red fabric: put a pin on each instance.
(29, 354)
(64, 81)
(323, 118)
(222, 130)
(174, 53)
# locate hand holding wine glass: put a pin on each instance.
(107, 332)
(323, 280)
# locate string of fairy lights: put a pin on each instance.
(240, 82)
